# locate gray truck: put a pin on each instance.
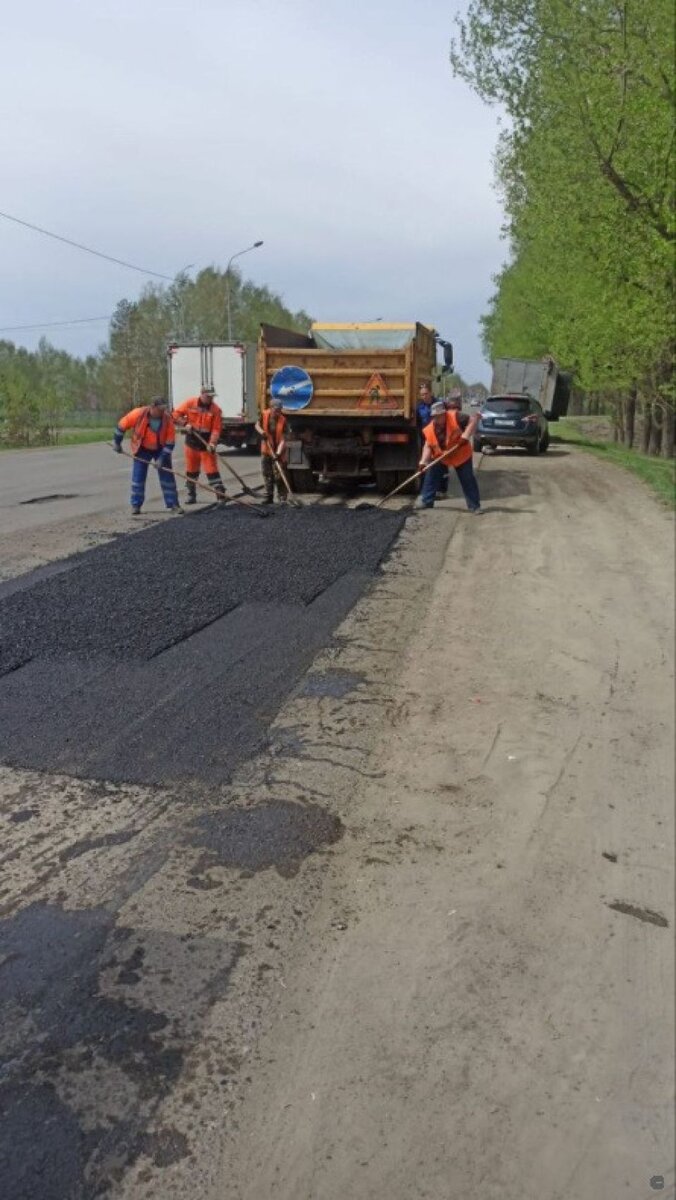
(541, 379)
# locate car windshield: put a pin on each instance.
(507, 404)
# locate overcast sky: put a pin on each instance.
(168, 133)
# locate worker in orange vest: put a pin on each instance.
(272, 427)
(201, 418)
(152, 439)
(448, 441)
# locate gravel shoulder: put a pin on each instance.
(484, 1000)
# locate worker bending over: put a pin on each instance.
(448, 440)
(271, 427)
(201, 418)
(152, 440)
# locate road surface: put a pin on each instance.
(419, 943)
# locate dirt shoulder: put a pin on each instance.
(484, 1002)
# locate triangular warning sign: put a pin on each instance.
(376, 394)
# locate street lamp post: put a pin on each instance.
(227, 282)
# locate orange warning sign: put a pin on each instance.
(376, 394)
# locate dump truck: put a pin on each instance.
(542, 379)
(349, 393)
(228, 367)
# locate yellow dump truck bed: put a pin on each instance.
(357, 370)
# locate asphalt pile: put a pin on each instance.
(163, 657)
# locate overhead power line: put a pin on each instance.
(51, 324)
(87, 249)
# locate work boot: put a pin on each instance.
(176, 510)
(191, 498)
(136, 510)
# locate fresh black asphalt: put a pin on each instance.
(163, 657)
(159, 658)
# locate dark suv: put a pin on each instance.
(512, 421)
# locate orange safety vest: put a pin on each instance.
(207, 421)
(277, 436)
(142, 436)
(460, 449)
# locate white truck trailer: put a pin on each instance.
(228, 367)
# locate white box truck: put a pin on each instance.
(228, 367)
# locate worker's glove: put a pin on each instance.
(117, 446)
(211, 449)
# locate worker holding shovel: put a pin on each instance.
(201, 418)
(152, 440)
(448, 441)
(271, 427)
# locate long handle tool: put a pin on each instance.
(245, 487)
(260, 512)
(283, 476)
(417, 475)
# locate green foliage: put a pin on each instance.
(658, 474)
(133, 366)
(586, 174)
(38, 390)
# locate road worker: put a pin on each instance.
(152, 440)
(201, 418)
(271, 427)
(452, 431)
(426, 399)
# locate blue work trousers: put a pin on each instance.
(139, 473)
(433, 482)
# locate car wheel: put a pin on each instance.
(533, 447)
(477, 445)
(544, 444)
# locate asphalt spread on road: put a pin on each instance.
(158, 659)
(163, 657)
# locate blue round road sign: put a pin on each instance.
(293, 386)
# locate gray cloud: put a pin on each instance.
(175, 133)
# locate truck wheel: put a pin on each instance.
(386, 481)
(302, 481)
(412, 488)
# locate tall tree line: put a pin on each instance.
(586, 173)
(38, 389)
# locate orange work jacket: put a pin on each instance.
(277, 436)
(142, 436)
(463, 450)
(207, 421)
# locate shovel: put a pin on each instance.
(291, 499)
(179, 475)
(244, 486)
(400, 487)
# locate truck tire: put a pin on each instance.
(411, 489)
(386, 481)
(302, 481)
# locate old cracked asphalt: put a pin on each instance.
(403, 927)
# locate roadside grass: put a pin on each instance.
(658, 473)
(69, 437)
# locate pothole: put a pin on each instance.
(52, 496)
(278, 833)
